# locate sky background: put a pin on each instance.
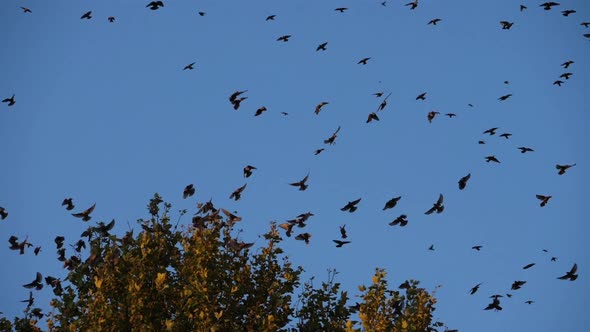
(105, 114)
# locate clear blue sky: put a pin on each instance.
(104, 113)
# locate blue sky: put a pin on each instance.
(104, 113)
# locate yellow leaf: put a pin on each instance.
(362, 288)
(234, 289)
(97, 282)
(375, 279)
(160, 279)
(218, 314)
(404, 324)
(169, 324)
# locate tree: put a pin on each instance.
(204, 278)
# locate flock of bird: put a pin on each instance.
(237, 99)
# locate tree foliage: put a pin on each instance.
(205, 278)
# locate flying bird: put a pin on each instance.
(85, 215)
(529, 302)
(494, 305)
(189, 190)
(491, 131)
(413, 5)
(566, 75)
(544, 199)
(288, 227)
(301, 184)
(3, 213)
(351, 206)
(363, 61)
(524, 149)
(111, 19)
(563, 168)
(506, 25)
(568, 12)
(585, 24)
(474, 289)
(558, 82)
(566, 64)
(571, 274)
(26, 10)
(506, 135)
(332, 139)
(431, 248)
(154, 5)
(202, 13)
(438, 206)
(402, 220)
(260, 111)
(463, 181)
(383, 103)
(341, 9)
(391, 203)
(37, 283)
(318, 108)
(248, 170)
(237, 102)
(284, 38)
(68, 203)
(59, 241)
(421, 96)
(10, 100)
(372, 116)
(343, 232)
(528, 266)
(523, 7)
(322, 47)
(431, 116)
(318, 151)
(303, 237)
(378, 94)
(548, 5)
(517, 284)
(237, 194)
(504, 97)
(189, 66)
(478, 248)
(271, 17)
(434, 21)
(87, 15)
(451, 115)
(492, 158)
(340, 243)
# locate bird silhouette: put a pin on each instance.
(390, 204)
(506, 135)
(494, 305)
(340, 243)
(26, 10)
(438, 206)
(111, 19)
(155, 5)
(378, 94)
(271, 17)
(566, 64)
(474, 289)
(202, 13)
(463, 181)
(548, 5)
(568, 12)
(303, 237)
(566, 75)
(506, 25)
(431, 248)
(351, 206)
(529, 302)
(237, 102)
(318, 108)
(517, 284)
(478, 248)
(343, 232)
(413, 5)
(237, 194)
(37, 250)
(318, 151)
(451, 115)
(563, 168)
(284, 38)
(85, 215)
(372, 116)
(59, 241)
(322, 47)
(189, 190)
(260, 111)
(383, 103)
(10, 100)
(235, 95)
(571, 274)
(585, 24)
(528, 266)
(30, 300)
(87, 15)
(332, 139)
(37, 283)
(189, 66)
(341, 9)
(434, 21)
(363, 61)
(558, 82)
(492, 158)
(402, 220)
(524, 149)
(491, 131)
(504, 97)
(301, 184)
(544, 199)
(3, 213)
(68, 203)
(288, 227)
(421, 96)
(523, 7)
(431, 116)
(248, 170)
